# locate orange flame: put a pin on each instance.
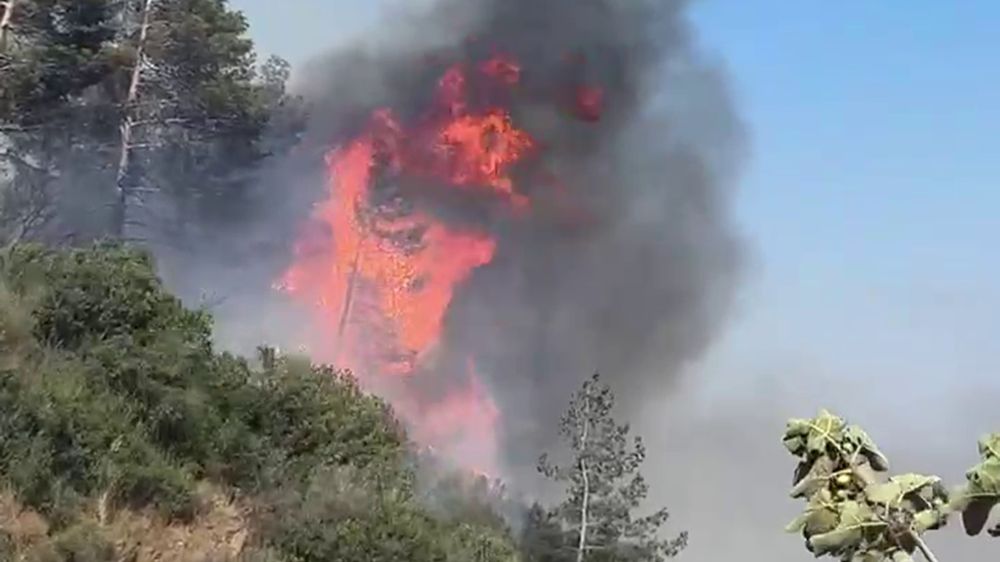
(382, 273)
(589, 103)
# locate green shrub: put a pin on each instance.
(99, 292)
(470, 542)
(261, 555)
(111, 395)
(84, 543)
(16, 328)
(78, 543)
(346, 515)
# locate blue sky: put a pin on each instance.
(870, 199)
(872, 193)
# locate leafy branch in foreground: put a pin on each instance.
(856, 513)
(982, 493)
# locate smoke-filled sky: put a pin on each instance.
(870, 206)
(871, 194)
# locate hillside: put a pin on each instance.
(124, 435)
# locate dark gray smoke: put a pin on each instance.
(635, 285)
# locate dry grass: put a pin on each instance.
(24, 527)
(219, 533)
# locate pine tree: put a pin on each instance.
(138, 119)
(199, 119)
(604, 487)
(54, 53)
(543, 539)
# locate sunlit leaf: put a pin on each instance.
(817, 477)
(886, 493)
(849, 532)
(927, 519)
(982, 492)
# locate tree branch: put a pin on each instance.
(5, 19)
(128, 123)
(923, 547)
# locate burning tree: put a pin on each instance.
(857, 514)
(604, 486)
(383, 265)
(483, 195)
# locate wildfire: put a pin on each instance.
(589, 103)
(382, 271)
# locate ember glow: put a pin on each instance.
(589, 103)
(380, 270)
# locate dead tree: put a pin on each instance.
(128, 124)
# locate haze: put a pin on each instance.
(871, 212)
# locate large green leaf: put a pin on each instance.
(982, 492)
(989, 446)
(816, 478)
(820, 516)
(825, 430)
(854, 519)
(928, 519)
(857, 440)
(984, 478)
(893, 492)
(796, 432)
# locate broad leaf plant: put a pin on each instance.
(856, 512)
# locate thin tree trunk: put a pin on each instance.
(5, 19)
(127, 127)
(345, 311)
(585, 503)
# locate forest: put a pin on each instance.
(126, 433)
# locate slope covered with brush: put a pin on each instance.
(116, 409)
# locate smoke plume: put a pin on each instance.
(628, 258)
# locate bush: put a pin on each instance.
(112, 395)
(83, 543)
(100, 292)
(359, 516)
(344, 515)
(16, 328)
(79, 543)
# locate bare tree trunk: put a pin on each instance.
(345, 311)
(585, 503)
(5, 19)
(127, 127)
